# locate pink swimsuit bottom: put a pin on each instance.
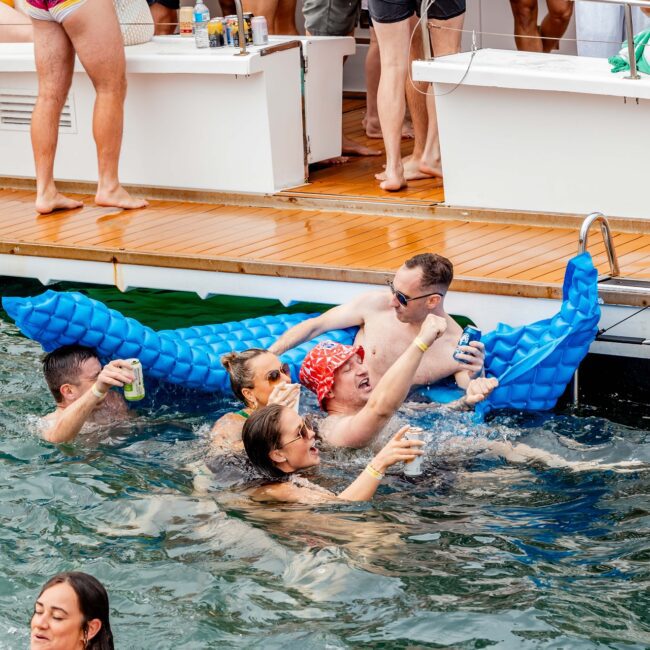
(56, 10)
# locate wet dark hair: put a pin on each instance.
(261, 435)
(62, 366)
(238, 369)
(436, 269)
(93, 603)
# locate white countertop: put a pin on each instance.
(532, 71)
(173, 55)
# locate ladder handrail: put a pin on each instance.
(607, 238)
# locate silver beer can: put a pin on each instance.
(414, 467)
(135, 390)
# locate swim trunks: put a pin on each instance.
(331, 17)
(394, 11)
(52, 10)
(170, 4)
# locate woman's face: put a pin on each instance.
(57, 621)
(297, 442)
(268, 372)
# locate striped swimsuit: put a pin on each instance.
(54, 10)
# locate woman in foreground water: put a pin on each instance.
(71, 613)
(279, 443)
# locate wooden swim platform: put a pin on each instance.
(502, 258)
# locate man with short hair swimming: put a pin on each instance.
(81, 390)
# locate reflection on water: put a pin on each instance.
(477, 553)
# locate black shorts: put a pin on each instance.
(170, 4)
(394, 11)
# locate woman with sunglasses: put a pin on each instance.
(279, 443)
(257, 378)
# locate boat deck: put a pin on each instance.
(496, 258)
(355, 179)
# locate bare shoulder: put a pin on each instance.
(227, 430)
(376, 301)
(289, 492)
(226, 422)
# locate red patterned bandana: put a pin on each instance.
(317, 370)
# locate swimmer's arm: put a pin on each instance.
(346, 315)
(68, 424)
(474, 356)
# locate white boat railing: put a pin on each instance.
(629, 29)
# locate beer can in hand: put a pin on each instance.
(135, 390)
(469, 334)
(414, 467)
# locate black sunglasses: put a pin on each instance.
(273, 376)
(403, 299)
(305, 429)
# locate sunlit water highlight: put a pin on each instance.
(477, 553)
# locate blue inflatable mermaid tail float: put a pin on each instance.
(533, 363)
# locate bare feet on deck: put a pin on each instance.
(47, 203)
(415, 170)
(337, 160)
(118, 197)
(391, 182)
(352, 148)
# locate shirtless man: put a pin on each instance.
(357, 409)
(81, 390)
(389, 320)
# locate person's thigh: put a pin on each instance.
(331, 17)
(97, 39)
(54, 57)
(391, 11)
(523, 7)
(446, 40)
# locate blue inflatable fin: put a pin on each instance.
(535, 363)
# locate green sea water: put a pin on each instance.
(478, 553)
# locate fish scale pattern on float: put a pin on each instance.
(533, 363)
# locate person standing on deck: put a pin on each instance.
(389, 320)
(63, 28)
(392, 20)
(531, 37)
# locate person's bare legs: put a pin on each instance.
(97, 39)
(164, 18)
(527, 34)
(266, 8)
(285, 18)
(393, 39)
(444, 41)
(555, 23)
(54, 64)
(15, 27)
(373, 72)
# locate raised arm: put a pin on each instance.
(389, 393)
(347, 315)
(73, 417)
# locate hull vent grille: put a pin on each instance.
(17, 106)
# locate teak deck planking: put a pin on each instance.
(488, 257)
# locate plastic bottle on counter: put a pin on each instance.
(201, 19)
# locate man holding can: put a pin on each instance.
(389, 320)
(358, 409)
(81, 390)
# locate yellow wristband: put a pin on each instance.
(373, 472)
(420, 344)
(96, 392)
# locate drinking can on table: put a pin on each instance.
(414, 467)
(260, 30)
(469, 334)
(135, 390)
(216, 35)
(248, 26)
